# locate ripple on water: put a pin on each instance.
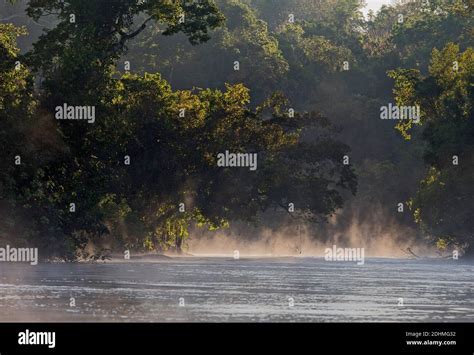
(219, 289)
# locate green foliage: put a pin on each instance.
(16, 106)
(443, 203)
(173, 157)
(243, 38)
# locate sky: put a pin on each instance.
(375, 4)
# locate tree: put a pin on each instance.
(243, 40)
(146, 169)
(443, 205)
(175, 161)
(17, 105)
(74, 61)
(90, 36)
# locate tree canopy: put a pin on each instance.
(174, 84)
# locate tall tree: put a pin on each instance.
(146, 168)
(445, 96)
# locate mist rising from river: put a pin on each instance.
(387, 239)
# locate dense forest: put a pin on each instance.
(170, 85)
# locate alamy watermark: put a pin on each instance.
(344, 254)
(238, 160)
(37, 338)
(67, 112)
(394, 112)
(19, 255)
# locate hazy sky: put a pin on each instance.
(375, 4)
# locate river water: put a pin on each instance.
(227, 290)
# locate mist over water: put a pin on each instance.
(379, 237)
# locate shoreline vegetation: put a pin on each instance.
(151, 257)
(138, 126)
(158, 258)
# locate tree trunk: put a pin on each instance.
(179, 245)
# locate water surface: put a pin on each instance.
(227, 290)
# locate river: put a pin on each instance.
(206, 289)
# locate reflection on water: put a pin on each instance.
(222, 289)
